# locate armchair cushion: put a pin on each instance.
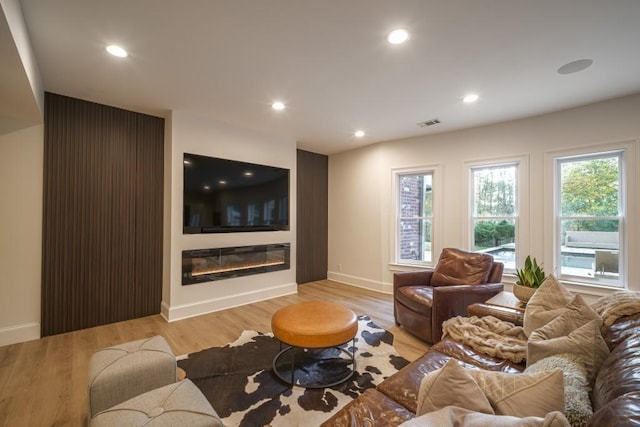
(458, 267)
(417, 298)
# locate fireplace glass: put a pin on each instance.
(206, 265)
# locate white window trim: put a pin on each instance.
(436, 227)
(522, 201)
(630, 227)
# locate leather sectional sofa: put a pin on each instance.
(615, 396)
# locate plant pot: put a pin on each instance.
(523, 293)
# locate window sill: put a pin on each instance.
(591, 289)
(408, 267)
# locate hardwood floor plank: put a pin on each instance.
(44, 382)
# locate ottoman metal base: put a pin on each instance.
(318, 357)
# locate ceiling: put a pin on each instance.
(330, 63)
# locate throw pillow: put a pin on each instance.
(575, 314)
(522, 395)
(452, 416)
(451, 385)
(458, 267)
(548, 302)
(586, 342)
(577, 405)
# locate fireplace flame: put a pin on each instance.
(224, 269)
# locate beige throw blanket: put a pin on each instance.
(488, 335)
(616, 305)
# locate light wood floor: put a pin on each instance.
(44, 382)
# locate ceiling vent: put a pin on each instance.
(429, 123)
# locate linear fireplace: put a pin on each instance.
(206, 265)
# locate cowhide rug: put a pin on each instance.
(238, 381)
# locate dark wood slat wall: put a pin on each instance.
(102, 215)
(312, 216)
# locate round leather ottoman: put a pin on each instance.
(312, 325)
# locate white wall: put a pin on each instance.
(30, 107)
(193, 134)
(361, 208)
(21, 159)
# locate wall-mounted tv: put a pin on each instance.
(222, 196)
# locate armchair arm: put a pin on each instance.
(412, 278)
(451, 301)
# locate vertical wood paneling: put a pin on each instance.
(312, 216)
(102, 226)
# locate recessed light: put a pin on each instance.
(206, 187)
(278, 105)
(222, 182)
(468, 99)
(398, 36)
(117, 51)
(575, 66)
(359, 133)
(248, 174)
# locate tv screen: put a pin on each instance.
(223, 196)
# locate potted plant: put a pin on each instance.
(530, 277)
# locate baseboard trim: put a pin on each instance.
(360, 282)
(179, 312)
(19, 333)
(164, 310)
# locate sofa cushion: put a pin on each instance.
(458, 267)
(522, 395)
(620, 412)
(451, 386)
(577, 404)
(623, 329)
(404, 385)
(619, 373)
(471, 357)
(548, 302)
(370, 408)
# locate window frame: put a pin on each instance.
(521, 208)
(396, 174)
(592, 153)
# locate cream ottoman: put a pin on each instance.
(174, 405)
(121, 372)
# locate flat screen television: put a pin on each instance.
(222, 196)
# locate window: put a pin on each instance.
(414, 229)
(494, 211)
(269, 210)
(590, 212)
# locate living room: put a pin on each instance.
(361, 236)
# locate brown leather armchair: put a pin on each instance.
(422, 300)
